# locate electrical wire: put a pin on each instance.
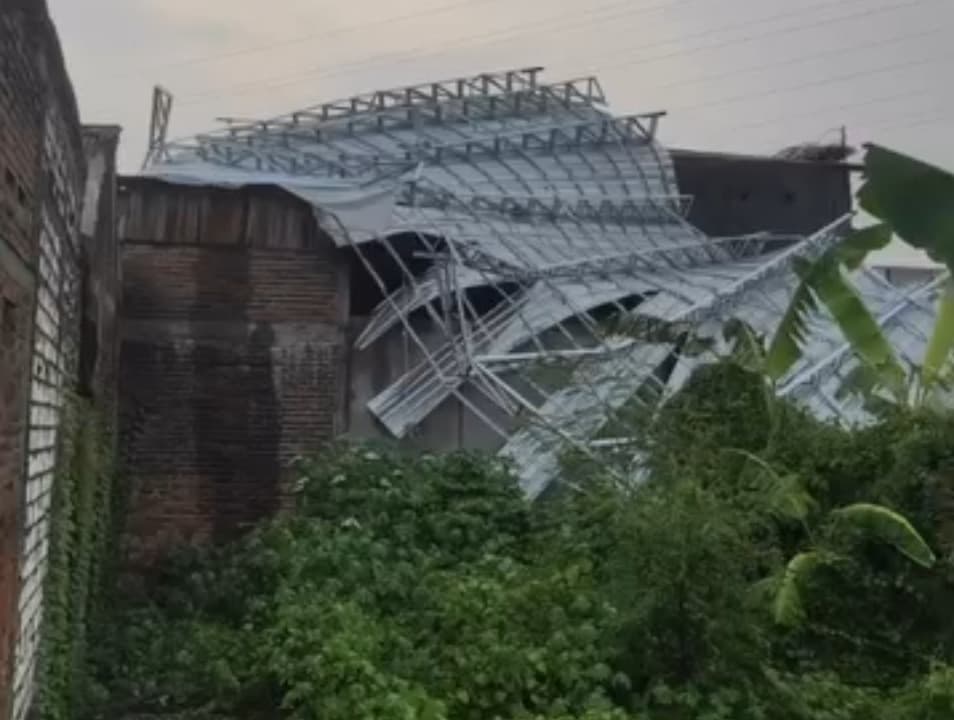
(735, 42)
(325, 35)
(821, 82)
(836, 52)
(536, 27)
(485, 38)
(814, 111)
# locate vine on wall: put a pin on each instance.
(83, 530)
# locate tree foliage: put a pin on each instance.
(915, 201)
(427, 587)
(773, 567)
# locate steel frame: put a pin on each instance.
(535, 193)
(162, 101)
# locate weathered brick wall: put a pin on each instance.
(233, 324)
(55, 349)
(16, 300)
(21, 114)
(42, 264)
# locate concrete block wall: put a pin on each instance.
(234, 316)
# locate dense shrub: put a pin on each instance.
(427, 587)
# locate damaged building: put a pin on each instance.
(439, 265)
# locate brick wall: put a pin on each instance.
(16, 299)
(55, 347)
(42, 263)
(231, 345)
(21, 113)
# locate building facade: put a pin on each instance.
(59, 274)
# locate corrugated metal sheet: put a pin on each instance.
(534, 190)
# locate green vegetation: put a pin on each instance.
(772, 567)
(82, 533)
(426, 587)
(914, 201)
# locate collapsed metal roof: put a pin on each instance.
(534, 192)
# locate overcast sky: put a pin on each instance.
(741, 75)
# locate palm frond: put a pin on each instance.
(786, 347)
(788, 607)
(887, 526)
(942, 339)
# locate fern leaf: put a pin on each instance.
(786, 347)
(942, 339)
(788, 607)
(887, 526)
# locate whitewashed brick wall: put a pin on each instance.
(53, 365)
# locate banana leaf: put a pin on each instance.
(942, 339)
(915, 198)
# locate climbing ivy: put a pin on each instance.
(81, 542)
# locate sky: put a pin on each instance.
(734, 75)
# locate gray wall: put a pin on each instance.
(736, 194)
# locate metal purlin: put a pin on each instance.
(531, 190)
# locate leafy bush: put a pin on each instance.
(402, 588)
(427, 587)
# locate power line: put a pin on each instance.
(830, 80)
(553, 23)
(915, 120)
(495, 37)
(281, 44)
(797, 60)
(813, 112)
(734, 42)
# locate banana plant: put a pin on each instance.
(873, 523)
(787, 500)
(915, 202)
